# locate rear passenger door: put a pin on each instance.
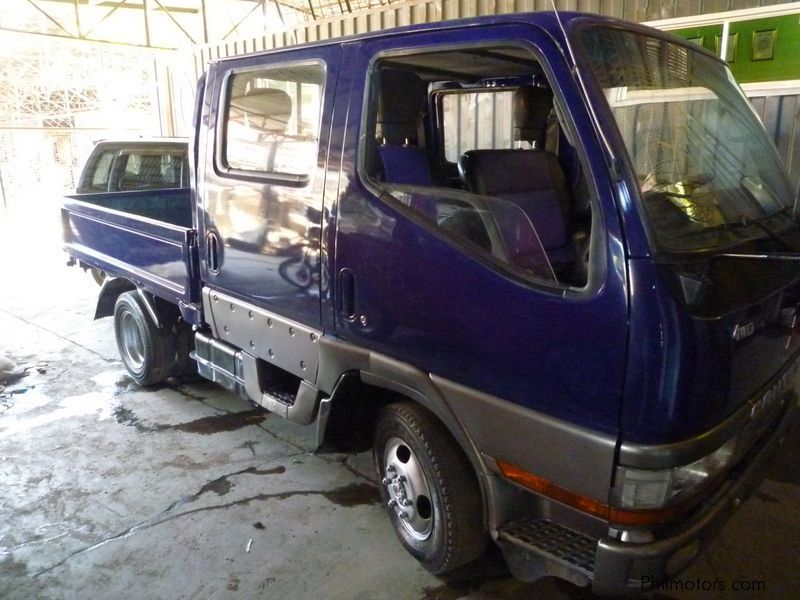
(413, 281)
(263, 172)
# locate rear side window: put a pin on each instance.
(272, 120)
(102, 168)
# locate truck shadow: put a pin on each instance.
(489, 577)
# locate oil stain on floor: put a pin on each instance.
(354, 494)
(204, 426)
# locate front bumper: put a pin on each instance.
(626, 567)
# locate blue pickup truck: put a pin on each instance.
(545, 265)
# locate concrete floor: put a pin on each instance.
(109, 490)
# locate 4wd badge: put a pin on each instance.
(742, 330)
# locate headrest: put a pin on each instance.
(268, 109)
(532, 106)
(402, 99)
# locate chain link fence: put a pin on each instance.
(38, 166)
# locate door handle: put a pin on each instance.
(212, 252)
(346, 289)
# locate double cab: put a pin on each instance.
(545, 265)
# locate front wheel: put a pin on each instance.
(147, 352)
(429, 488)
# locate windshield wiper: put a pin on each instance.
(695, 286)
(792, 256)
(744, 223)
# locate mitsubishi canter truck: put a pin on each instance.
(546, 265)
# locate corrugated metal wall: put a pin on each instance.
(780, 113)
(427, 11)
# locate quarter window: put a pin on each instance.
(102, 168)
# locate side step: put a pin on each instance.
(555, 543)
(278, 391)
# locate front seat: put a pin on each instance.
(531, 179)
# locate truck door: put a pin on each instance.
(434, 271)
(263, 155)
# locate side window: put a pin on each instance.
(102, 169)
(469, 140)
(272, 120)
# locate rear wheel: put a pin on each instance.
(429, 488)
(147, 352)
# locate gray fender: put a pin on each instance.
(338, 358)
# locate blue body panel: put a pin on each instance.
(429, 304)
(158, 256)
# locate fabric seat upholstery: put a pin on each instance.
(401, 159)
(530, 179)
(533, 181)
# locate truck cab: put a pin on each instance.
(135, 164)
(546, 265)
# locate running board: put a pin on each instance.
(565, 552)
(278, 391)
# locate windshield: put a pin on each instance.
(708, 175)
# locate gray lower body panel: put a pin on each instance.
(284, 343)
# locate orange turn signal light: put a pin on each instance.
(584, 503)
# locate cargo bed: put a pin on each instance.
(145, 236)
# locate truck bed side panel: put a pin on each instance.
(157, 256)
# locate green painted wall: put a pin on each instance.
(785, 63)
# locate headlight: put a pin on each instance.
(647, 489)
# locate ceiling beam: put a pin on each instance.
(83, 39)
(174, 20)
(129, 5)
(50, 18)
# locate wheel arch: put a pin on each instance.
(111, 290)
(160, 311)
(384, 380)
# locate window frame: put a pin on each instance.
(221, 127)
(597, 268)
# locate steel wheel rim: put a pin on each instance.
(132, 345)
(408, 489)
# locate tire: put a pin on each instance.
(147, 352)
(436, 510)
